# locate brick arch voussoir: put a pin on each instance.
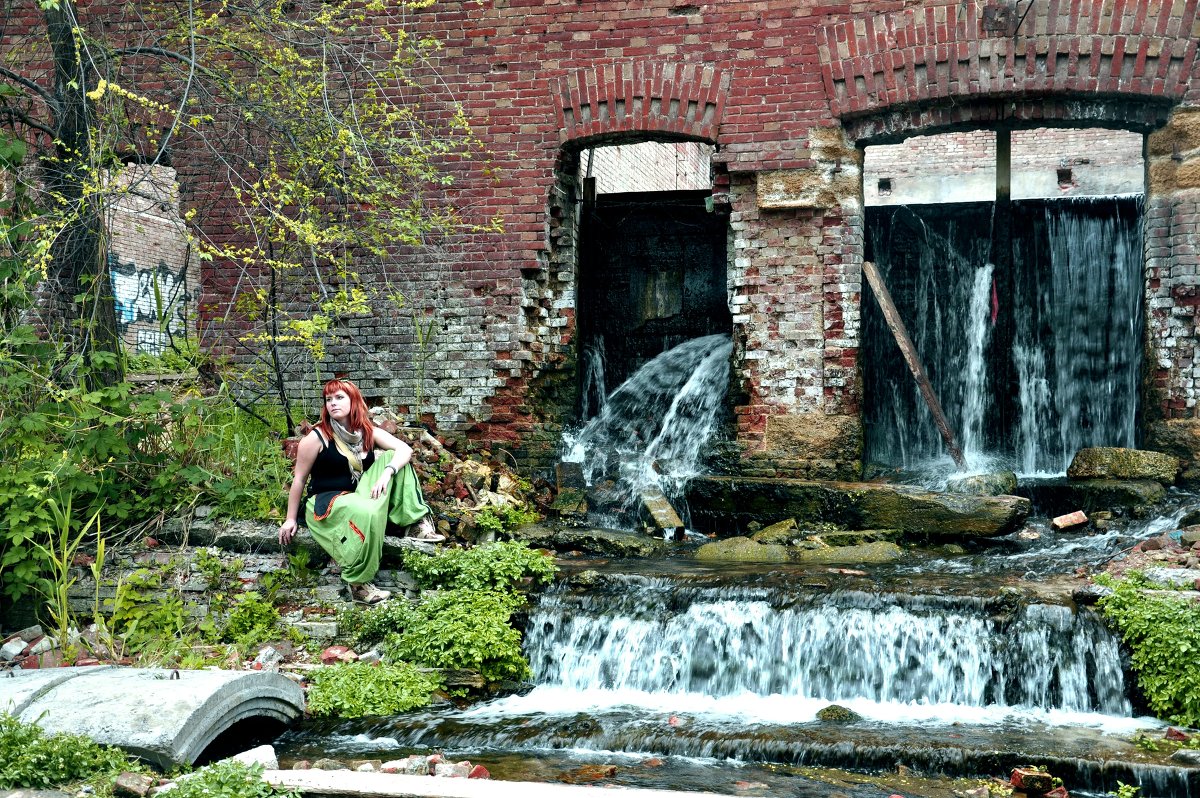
(638, 100)
(945, 66)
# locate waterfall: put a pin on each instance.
(1083, 329)
(1030, 363)
(652, 428)
(975, 389)
(853, 647)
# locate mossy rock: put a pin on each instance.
(857, 537)
(742, 550)
(591, 541)
(835, 713)
(1001, 483)
(863, 554)
(783, 533)
(1116, 463)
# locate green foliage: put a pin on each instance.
(228, 779)
(494, 566)
(1126, 790)
(356, 689)
(145, 614)
(1163, 635)
(466, 629)
(366, 626)
(251, 621)
(120, 457)
(499, 520)
(32, 758)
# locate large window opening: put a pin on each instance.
(1015, 261)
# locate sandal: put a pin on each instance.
(367, 593)
(426, 532)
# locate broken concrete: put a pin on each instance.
(167, 717)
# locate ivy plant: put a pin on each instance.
(1163, 635)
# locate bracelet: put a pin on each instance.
(394, 470)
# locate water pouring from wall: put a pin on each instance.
(652, 430)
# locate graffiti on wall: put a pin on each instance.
(146, 320)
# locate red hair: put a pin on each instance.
(357, 420)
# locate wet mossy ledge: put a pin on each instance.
(733, 503)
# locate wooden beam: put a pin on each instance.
(896, 325)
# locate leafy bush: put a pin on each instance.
(366, 626)
(356, 689)
(1163, 635)
(119, 455)
(143, 613)
(463, 629)
(251, 621)
(227, 779)
(494, 566)
(30, 757)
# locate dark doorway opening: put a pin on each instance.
(652, 275)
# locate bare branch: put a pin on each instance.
(15, 77)
(22, 118)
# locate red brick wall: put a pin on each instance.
(769, 82)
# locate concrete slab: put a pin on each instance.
(394, 785)
(166, 717)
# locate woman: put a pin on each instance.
(352, 493)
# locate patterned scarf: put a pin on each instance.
(350, 445)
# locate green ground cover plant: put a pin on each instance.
(493, 566)
(33, 758)
(227, 779)
(1163, 636)
(463, 629)
(358, 689)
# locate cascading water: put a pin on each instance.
(1030, 364)
(1083, 328)
(721, 669)
(975, 388)
(871, 652)
(652, 429)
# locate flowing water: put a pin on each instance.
(651, 431)
(675, 673)
(1031, 363)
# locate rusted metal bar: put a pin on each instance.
(896, 325)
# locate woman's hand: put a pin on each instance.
(287, 531)
(381, 485)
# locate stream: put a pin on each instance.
(684, 675)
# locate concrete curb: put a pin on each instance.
(394, 785)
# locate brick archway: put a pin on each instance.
(638, 97)
(1062, 63)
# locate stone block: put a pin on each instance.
(1116, 463)
(815, 437)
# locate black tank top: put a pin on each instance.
(331, 470)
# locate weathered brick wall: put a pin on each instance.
(155, 278)
(786, 90)
(649, 166)
(1045, 162)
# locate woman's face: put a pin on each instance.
(337, 405)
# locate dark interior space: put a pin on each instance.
(652, 275)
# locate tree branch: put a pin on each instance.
(45, 95)
(23, 118)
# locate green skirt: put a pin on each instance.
(350, 526)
